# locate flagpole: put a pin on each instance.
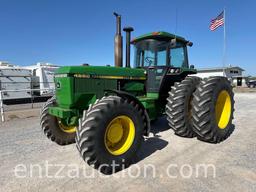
(224, 42)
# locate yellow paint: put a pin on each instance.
(108, 77)
(81, 76)
(223, 109)
(119, 135)
(65, 128)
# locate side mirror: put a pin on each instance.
(192, 67)
(173, 43)
(189, 43)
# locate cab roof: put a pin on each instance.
(160, 35)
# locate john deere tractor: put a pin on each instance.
(107, 110)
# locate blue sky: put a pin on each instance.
(69, 32)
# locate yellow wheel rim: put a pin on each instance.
(223, 109)
(119, 135)
(65, 128)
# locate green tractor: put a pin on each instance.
(107, 110)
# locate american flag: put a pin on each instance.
(217, 22)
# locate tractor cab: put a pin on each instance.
(164, 56)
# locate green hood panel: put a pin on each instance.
(101, 70)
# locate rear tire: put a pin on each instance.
(51, 127)
(178, 107)
(213, 107)
(92, 134)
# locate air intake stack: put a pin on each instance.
(118, 42)
(128, 31)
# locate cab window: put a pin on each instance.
(178, 57)
(151, 53)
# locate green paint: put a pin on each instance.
(73, 121)
(63, 113)
(150, 105)
(159, 35)
(79, 86)
(188, 70)
(80, 92)
(101, 70)
(153, 95)
(64, 91)
(134, 87)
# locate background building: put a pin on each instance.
(234, 74)
(228, 72)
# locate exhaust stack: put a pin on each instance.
(118, 42)
(128, 31)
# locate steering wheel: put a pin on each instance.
(149, 60)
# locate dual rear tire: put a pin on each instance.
(178, 108)
(201, 108)
(213, 108)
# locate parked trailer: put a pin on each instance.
(43, 78)
(14, 78)
(26, 84)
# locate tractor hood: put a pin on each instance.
(101, 72)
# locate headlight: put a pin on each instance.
(174, 71)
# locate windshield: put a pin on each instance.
(151, 53)
(158, 53)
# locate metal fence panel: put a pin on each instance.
(32, 99)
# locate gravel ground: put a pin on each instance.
(24, 147)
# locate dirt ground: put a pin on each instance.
(166, 162)
(244, 90)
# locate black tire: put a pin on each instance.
(178, 108)
(50, 126)
(205, 120)
(91, 133)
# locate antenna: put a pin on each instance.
(176, 21)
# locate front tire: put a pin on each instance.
(110, 131)
(213, 108)
(54, 128)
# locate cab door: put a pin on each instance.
(156, 62)
(154, 78)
